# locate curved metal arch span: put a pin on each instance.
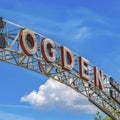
(13, 53)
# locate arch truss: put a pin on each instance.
(13, 51)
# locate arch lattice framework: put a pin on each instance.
(13, 54)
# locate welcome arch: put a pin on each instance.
(25, 48)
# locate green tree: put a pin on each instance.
(98, 116)
(108, 118)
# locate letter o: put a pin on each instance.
(28, 42)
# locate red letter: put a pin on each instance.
(67, 58)
(28, 42)
(98, 77)
(47, 50)
(84, 72)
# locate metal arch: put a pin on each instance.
(13, 54)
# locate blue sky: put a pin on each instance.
(90, 28)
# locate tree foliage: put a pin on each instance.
(99, 117)
(108, 118)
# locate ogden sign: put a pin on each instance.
(29, 46)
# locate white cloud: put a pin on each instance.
(83, 34)
(56, 95)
